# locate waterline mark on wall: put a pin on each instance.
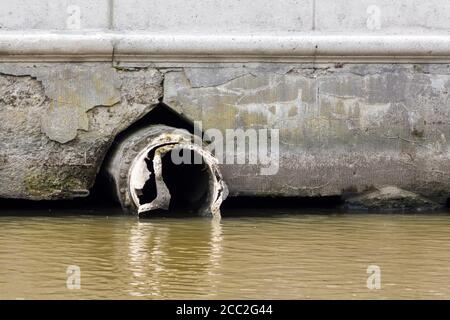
(236, 146)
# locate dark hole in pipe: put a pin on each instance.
(149, 190)
(188, 184)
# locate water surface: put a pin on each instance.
(283, 255)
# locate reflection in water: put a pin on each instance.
(284, 256)
(157, 252)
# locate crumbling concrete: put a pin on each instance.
(343, 128)
(59, 120)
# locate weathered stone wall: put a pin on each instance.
(343, 128)
(57, 122)
(357, 88)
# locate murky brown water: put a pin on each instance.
(282, 256)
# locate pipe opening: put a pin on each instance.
(188, 184)
(186, 187)
(162, 168)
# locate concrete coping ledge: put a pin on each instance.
(314, 46)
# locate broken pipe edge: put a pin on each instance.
(127, 168)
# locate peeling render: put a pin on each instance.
(72, 92)
(59, 120)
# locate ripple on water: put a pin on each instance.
(287, 256)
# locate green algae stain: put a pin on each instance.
(51, 182)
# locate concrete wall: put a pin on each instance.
(243, 16)
(359, 89)
(59, 120)
(54, 14)
(343, 128)
(243, 30)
